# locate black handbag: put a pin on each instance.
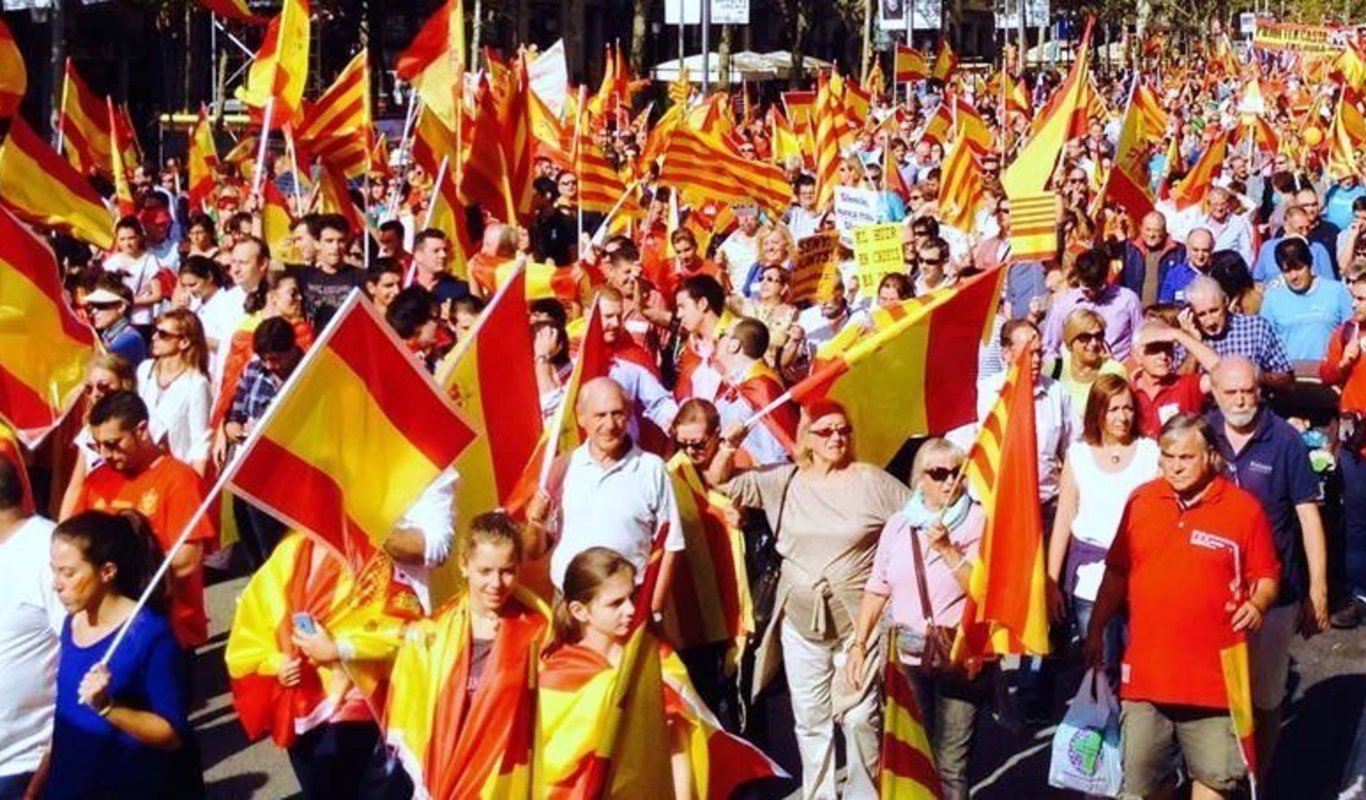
(765, 566)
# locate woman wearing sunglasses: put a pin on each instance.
(105, 374)
(1085, 356)
(174, 384)
(922, 566)
(826, 513)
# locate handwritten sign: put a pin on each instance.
(815, 269)
(877, 252)
(855, 208)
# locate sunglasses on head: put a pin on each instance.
(941, 474)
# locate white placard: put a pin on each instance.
(1247, 23)
(689, 10)
(549, 76)
(730, 12)
(855, 208)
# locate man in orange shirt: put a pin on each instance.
(136, 475)
(1194, 561)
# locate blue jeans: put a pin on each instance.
(1114, 636)
(12, 787)
(1353, 468)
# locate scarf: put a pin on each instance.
(919, 516)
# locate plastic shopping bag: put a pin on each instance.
(1086, 754)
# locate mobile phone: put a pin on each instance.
(303, 623)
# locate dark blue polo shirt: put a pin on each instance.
(1274, 467)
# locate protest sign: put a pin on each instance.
(877, 251)
(815, 269)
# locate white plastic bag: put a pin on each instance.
(1086, 753)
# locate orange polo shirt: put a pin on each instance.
(1180, 563)
(167, 493)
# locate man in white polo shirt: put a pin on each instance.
(30, 628)
(613, 494)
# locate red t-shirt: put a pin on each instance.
(1181, 396)
(1180, 564)
(167, 493)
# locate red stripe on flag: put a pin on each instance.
(24, 407)
(954, 340)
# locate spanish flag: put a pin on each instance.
(13, 76)
(365, 613)
(203, 164)
(435, 62)
(491, 374)
(1346, 136)
(1005, 611)
(280, 70)
(945, 62)
(453, 744)
(358, 403)
(38, 186)
(907, 771)
(1128, 180)
(334, 197)
(46, 350)
(1194, 188)
(118, 166)
(84, 124)
(909, 65)
(709, 598)
(233, 9)
(276, 223)
(11, 452)
(915, 373)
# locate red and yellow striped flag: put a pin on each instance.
(971, 126)
(945, 62)
(118, 167)
(909, 65)
(13, 75)
(939, 126)
(337, 128)
(907, 770)
(11, 452)
(203, 164)
(277, 224)
(706, 170)
(334, 197)
(454, 744)
(1233, 660)
(514, 119)
(233, 9)
(41, 188)
(1346, 136)
(915, 372)
(1194, 188)
(484, 178)
(600, 185)
(435, 62)
(827, 120)
(46, 351)
(1034, 227)
(280, 70)
(1005, 611)
(84, 123)
(1128, 180)
(960, 188)
(1033, 165)
(358, 400)
(709, 599)
(491, 374)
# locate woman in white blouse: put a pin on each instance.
(174, 384)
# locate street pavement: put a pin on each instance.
(1328, 693)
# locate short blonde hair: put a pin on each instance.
(934, 447)
(802, 451)
(1078, 321)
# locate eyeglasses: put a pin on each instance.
(1089, 337)
(692, 446)
(100, 388)
(839, 430)
(162, 333)
(941, 474)
(101, 306)
(570, 182)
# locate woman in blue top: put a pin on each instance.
(117, 726)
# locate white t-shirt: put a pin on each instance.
(179, 413)
(136, 274)
(30, 631)
(742, 253)
(1102, 496)
(621, 506)
(222, 316)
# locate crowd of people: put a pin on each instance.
(1199, 400)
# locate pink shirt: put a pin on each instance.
(894, 571)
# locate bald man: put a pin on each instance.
(1199, 252)
(1321, 230)
(1298, 222)
(609, 493)
(1150, 257)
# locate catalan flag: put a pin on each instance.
(1034, 226)
(1005, 611)
(514, 120)
(84, 125)
(1034, 163)
(434, 62)
(915, 372)
(41, 188)
(356, 401)
(705, 170)
(13, 76)
(709, 598)
(484, 178)
(337, 128)
(280, 70)
(203, 164)
(909, 65)
(826, 118)
(907, 771)
(455, 744)
(232, 9)
(1237, 670)
(45, 346)
(961, 185)
(491, 374)
(1194, 188)
(365, 611)
(600, 185)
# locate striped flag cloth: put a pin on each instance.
(434, 61)
(1034, 226)
(13, 76)
(42, 370)
(960, 188)
(358, 400)
(1127, 183)
(909, 65)
(84, 122)
(1346, 136)
(202, 163)
(945, 62)
(1034, 163)
(600, 185)
(915, 372)
(484, 177)
(1194, 188)
(826, 124)
(42, 189)
(907, 770)
(337, 127)
(1233, 660)
(1005, 611)
(705, 170)
(119, 166)
(280, 70)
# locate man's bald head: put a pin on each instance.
(1199, 248)
(1235, 370)
(1297, 221)
(599, 392)
(1153, 229)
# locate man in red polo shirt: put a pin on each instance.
(1195, 563)
(137, 475)
(1160, 391)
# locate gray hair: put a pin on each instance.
(1231, 363)
(1207, 287)
(1181, 424)
(933, 447)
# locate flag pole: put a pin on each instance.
(405, 152)
(577, 157)
(61, 129)
(431, 211)
(229, 472)
(294, 165)
(553, 440)
(260, 174)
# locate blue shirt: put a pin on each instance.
(1337, 205)
(1254, 338)
(1265, 270)
(1274, 466)
(1024, 282)
(1305, 322)
(91, 756)
(1173, 288)
(124, 340)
